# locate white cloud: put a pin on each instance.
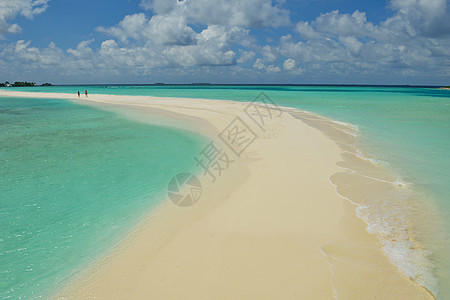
(200, 36)
(259, 65)
(245, 56)
(306, 31)
(292, 66)
(243, 13)
(352, 44)
(9, 9)
(323, 50)
(273, 69)
(131, 27)
(343, 24)
(83, 51)
(25, 57)
(167, 40)
(428, 17)
(269, 54)
(213, 47)
(289, 64)
(348, 43)
(168, 29)
(159, 7)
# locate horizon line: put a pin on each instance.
(245, 84)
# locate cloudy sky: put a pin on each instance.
(227, 41)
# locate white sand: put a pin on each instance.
(271, 227)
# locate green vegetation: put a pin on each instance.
(23, 83)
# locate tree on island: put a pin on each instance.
(23, 83)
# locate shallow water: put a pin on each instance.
(73, 181)
(405, 129)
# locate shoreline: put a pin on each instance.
(335, 244)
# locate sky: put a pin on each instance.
(233, 41)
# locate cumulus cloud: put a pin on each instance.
(306, 31)
(412, 38)
(172, 22)
(171, 29)
(198, 36)
(269, 54)
(139, 43)
(260, 65)
(213, 47)
(289, 64)
(9, 9)
(26, 58)
(352, 44)
(168, 40)
(168, 29)
(243, 13)
(245, 56)
(273, 69)
(131, 27)
(292, 67)
(83, 51)
(428, 17)
(335, 42)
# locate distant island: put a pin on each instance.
(194, 83)
(22, 83)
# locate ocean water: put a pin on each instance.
(405, 129)
(73, 181)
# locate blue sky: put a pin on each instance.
(234, 41)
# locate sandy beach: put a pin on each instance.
(272, 225)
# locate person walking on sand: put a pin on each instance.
(85, 92)
(78, 94)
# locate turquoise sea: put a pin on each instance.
(73, 181)
(55, 155)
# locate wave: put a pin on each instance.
(389, 205)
